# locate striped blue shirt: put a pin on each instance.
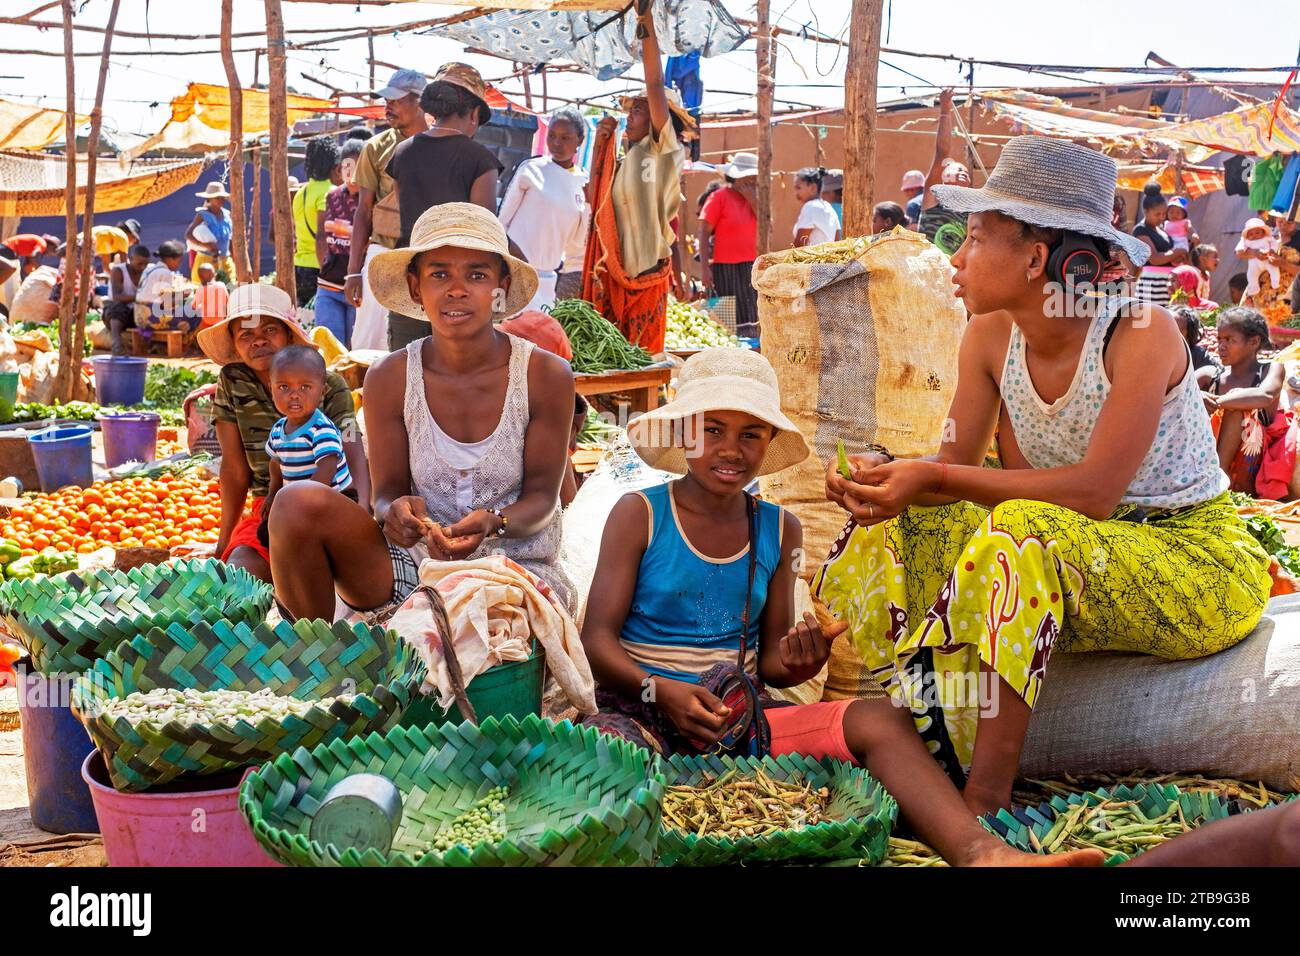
(299, 451)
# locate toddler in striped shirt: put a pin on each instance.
(304, 445)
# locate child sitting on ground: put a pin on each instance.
(211, 298)
(1257, 243)
(1178, 227)
(305, 445)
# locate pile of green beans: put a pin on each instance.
(598, 345)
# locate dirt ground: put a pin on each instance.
(21, 842)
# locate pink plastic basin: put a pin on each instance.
(172, 826)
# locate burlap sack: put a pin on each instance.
(32, 303)
(865, 351)
(1234, 714)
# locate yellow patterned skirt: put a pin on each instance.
(934, 592)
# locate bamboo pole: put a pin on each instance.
(281, 211)
(235, 153)
(257, 210)
(766, 84)
(69, 367)
(370, 43)
(860, 115)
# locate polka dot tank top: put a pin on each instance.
(1182, 467)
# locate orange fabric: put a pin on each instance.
(814, 730)
(245, 533)
(637, 305)
(542, 330)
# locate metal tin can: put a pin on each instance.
(360, 811)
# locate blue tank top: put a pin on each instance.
(686, 611)
(222, 229)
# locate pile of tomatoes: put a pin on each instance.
(158, 512)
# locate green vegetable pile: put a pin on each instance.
(689, 328)
(1266, 531)
(13, 566)
(597, 431)
(168, 385)
(481, 823)
(165, 705)
(86, 412)
(598, 345)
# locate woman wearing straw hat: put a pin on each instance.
(259, 322)
(1109, 527)
(728, 219)
(468, 429)
(628, 270)
(216, 218)
(691, 612)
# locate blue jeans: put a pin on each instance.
(336, 314)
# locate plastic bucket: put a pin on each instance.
(189, 824)
(62, 456)
(129, 436)
(55, 745)
(8, 395)
(119, 380)
(513, 689)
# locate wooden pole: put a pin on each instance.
(546, 100)
(235, 154)
(257, 67)
(257, 210)
(766, 84)
(860, 115)
(528, 90)
(971, 159)
(69, 362)
(281, 210)
(370, 42)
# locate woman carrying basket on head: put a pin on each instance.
(628, 267)
(1109, 524)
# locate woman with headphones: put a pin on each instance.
(1109, 526)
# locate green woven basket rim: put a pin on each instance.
(865, 836)
(59, 623)
(289, 770)
(1013, 826)
(130, 771)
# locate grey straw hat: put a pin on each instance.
(1050, 183)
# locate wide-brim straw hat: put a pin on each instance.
(253, 299)
(214, 191)
(460, 225)
(742, 166)
(675, 107)
(720, 379)
(1049, 183)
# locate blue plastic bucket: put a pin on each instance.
(119, 380)
(129, 436)
(55, 745)
(62, 456)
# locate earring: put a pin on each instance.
(1029, 278)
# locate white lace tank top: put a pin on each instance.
(1182, 466)
(495, 481)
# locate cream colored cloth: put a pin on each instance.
(494, 606)
(647, 193)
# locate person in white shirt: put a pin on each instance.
(545, 209)
(817, 219)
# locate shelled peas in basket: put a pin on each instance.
(158, 512)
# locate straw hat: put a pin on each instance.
(462, 225)
(674, 106)
(253, 299)
(469, 80)
(1050, 183)
(742, 166)
(214, 191)
(723, 379)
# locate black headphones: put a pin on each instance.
(1075, 260)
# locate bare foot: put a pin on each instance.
(997, 853)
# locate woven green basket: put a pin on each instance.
(862, 814)
(308, 660)
(577, 797)
(1014, 826)
(67, 623)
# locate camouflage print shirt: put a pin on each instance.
(243, 399)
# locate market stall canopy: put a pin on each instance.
(602, 42)
(1244, 130)
(1197, 180)
(32, 184)
(31, 127)
(529, 4)
(201, 117)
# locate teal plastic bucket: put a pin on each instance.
(513, 689)
(62, 456)
(8, 395)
